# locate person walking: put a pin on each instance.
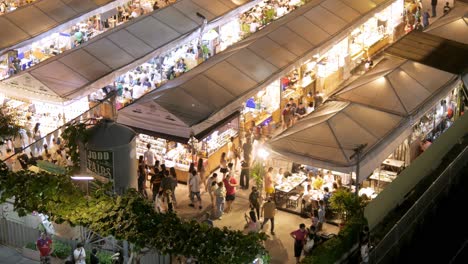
(201, 170)
(149, 155)
(194, 184)
(425, 18)
(286, 117)
(269, 185)
(434, 8)
(244, 175)
(220, 194)
(365, 251)
(173, 175)
(142, 176)
(79, 254)
(299, 237)
(223, 163)
(45, 248)
(254, 199)
(166, 188)
(321, 215)
(230, 184)
(447, 8)
(209, 188)
(94, 258)
(247, 150)
(269, 211)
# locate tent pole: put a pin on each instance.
(357, 153)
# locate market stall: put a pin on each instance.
(188, 54)
(67, 37)
(374, 110)
(136, 41)
(287, 195)
(262, 61)
(181, 154)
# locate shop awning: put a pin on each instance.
(433, 51)
(453, 25)
(327, 137)
(33, 22)
(396, 86)
(219, 87)
(99, 61)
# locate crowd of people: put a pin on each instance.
(82, 32)
(11, 5)
(24, 150)
(417, 17)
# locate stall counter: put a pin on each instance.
(212, 165)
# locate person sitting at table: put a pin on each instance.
(318, 182)
(181, 65)
(329, 178)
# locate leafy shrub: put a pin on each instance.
(31, 245)
(332, 250)
(104, 257)
(61, 250)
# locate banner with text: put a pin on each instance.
(100, 162)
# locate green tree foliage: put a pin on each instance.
(74, 134)
(128, 217)
(8, 123)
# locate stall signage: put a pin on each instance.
(100, 163)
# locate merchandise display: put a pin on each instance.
(56, 43)
(172, 154)
(11, 5)
(217, 140)
(179, 155)
(438, 119)
(260, 108)
(178, 158)
(290, 183)
(158, 145)
(50, 116)
(374, 30)
(186, 56)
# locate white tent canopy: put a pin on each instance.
(32, 22)
(404, 86)
(99, 61)
(453, 26)
(216, 89)
(373, 114)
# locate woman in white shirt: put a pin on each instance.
(79, 254)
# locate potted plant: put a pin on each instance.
(257, 172)
(346, 204)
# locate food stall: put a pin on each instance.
(180, 155)
(287, 196)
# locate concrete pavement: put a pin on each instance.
(12, 256)
(280, 245)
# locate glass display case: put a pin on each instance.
(158, 145)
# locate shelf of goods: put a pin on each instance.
(215, 142)
(157, 145)
(49, 116)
